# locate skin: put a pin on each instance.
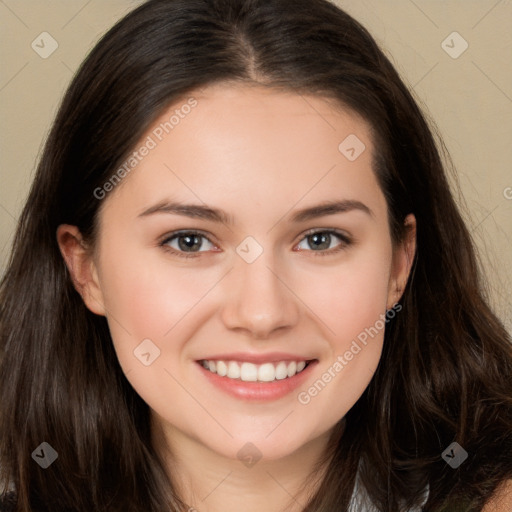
(502, 499)
(260, 155)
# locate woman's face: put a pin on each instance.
(269, 277)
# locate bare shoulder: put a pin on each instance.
(502, 499)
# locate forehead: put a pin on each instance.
(232, 141)
(285, 121)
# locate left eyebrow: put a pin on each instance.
(331, 208)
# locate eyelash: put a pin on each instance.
(345, 242)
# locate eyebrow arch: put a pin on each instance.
(330, 208)
(195, 211)
(198, 211)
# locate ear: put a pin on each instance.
(403, 257)
(79, 261)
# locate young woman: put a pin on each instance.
(241, 282)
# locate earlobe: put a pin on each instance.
(81, 267)
(403, 259)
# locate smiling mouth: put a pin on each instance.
(250, 372)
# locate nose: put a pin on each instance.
(259, 300)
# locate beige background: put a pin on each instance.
(469, 97)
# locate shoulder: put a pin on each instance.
(501, 500)
(8, 502)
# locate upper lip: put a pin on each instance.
(271, 357)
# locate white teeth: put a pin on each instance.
(249, 372)
(281, 371)
(233, 370)
(222, 369)
(266, 372)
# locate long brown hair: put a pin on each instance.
(446, 369)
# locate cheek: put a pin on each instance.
(156, 301)
(353, 295)
(352, 304)
(152, 300)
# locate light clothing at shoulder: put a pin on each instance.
(360, 501)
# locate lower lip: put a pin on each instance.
(262, 391)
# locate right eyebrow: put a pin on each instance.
(195, 211)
